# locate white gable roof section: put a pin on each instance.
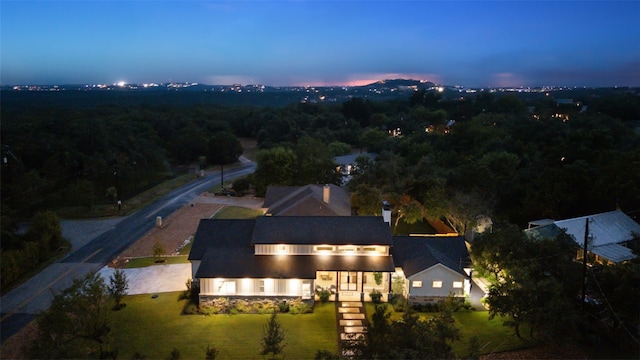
(608, 230)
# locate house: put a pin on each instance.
(307, 243)
(610, 233)
(309, 200)
(347, 164)
(432, 267)
(292, 257)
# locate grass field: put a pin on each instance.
(154, 327)
(151, 261)
(237, 212)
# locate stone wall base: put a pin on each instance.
(254, 304)
(421, 300)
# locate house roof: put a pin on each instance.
(226, 249)
(351, 158)
(219, 233)
(240, 262)
(608, 230)
(417, 253)
(307, 200)
(611, 227)
(336, 230)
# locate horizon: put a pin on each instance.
(149, 85)
(475, 44)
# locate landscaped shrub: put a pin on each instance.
(283, 307)
(399, 303)
(297, 306)
(426, 307)
(323, 295)
(215, 306)
(209, 310)
(376, 296)
(243, 306)
(190, 309)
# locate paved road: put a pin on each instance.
(19, 306)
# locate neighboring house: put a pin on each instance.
(308, 242)
(432, 267)
(610, 233)
(347, 164)
(309, 200)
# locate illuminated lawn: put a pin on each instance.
(154, 327)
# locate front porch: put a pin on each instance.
(352, 285)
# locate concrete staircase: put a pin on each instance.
(351, 320)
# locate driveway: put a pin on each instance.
(153, 279)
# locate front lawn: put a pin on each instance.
(237, 212)
(492, 335)
(151, 261)
(154, 327)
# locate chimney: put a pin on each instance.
(386, 212)
(326, 193)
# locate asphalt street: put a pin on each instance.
(95, 249)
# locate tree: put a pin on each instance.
(224, 148)
(337, 148)
(211, 353)
(118, 286)
(315, 164)
(407, 209)
(411, 337)
(273, 337)
(46, 230)
(158, 250)
(77, 324)
(240, 186)
(373, 139)
(276, 166)
(536, 280)
(367, 200)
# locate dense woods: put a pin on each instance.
(509, 158)
(512, 157)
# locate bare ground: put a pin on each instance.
(182, 224)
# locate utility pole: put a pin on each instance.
(115, 174)
(584, 263)
(222, 177)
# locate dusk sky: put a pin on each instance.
(469, 43)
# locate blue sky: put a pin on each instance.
(469, 43)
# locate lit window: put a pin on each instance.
(416, 283)
(437, 284)
(457, 284)
(228, 287)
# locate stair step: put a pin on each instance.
(353, 316)
(350, 322)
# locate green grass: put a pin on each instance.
(154, 327)
(237, 212)
(151, 261)
(492, 335)
(128, 205)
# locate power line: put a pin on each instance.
(611, 308)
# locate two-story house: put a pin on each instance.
(292, 256)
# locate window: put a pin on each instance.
(437, 284)
(228, 287)
(416, 284)
(324, 248)
(261, 289)
(457, 284)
